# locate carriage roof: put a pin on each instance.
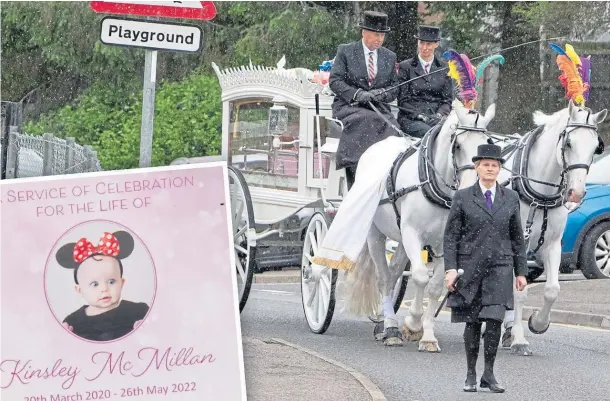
(294, 85)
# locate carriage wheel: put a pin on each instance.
(399, 293)
(318, 283)
(242, 215)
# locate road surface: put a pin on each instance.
(569, 363)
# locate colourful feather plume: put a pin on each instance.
(484, 64)
(570, 77)
(572, 54)
(557, 48)
(464, 74)
(585, 75)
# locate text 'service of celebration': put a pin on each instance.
(117, 195)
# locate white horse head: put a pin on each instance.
(578, 142)
(469, 130)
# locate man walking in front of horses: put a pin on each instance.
(361, 73)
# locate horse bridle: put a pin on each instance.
(458, 169)
(565, 138)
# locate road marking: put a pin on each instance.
(575, 326)
(275, 291)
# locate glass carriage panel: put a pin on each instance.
(321, 158)
(264, 142)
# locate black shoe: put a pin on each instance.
(470, 385)
(493, 387)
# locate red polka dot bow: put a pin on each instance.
(108, 245)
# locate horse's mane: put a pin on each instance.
(551, 120)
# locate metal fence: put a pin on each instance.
(35, 156)
(23, 155)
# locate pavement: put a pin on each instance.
(277, 370)
(582, 302)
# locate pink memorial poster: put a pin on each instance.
(120, 285)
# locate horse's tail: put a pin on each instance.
(362, 288)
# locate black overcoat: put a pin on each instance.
(362, 126)
(488, 245)
(428, 95)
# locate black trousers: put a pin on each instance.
(415, 128)
(350, 176)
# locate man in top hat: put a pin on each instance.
(361, 72)
(483, 236)
(424, 101)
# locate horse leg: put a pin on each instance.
(397, 267)
(540, 321)
(519, 346)
(428, 341)
(509, 319)
(413, 328)
(389, 327)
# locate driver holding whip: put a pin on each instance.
(484, 238)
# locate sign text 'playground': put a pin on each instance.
(151, 35)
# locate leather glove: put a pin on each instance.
(363, 97)
(377, 94)
(423, 118)
(435, 119)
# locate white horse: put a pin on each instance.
(554, 161)
(422, 223)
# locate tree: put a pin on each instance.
(187, 122)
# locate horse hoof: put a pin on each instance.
(409, 335)
(521, 350)
(429, 346)
(530, 325)
(379, 332)
(392, 337)
(393, 342)
(507, 338)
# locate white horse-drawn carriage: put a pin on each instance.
(279, 141)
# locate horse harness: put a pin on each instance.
(431, 188)
(431, 182)
(521, 182)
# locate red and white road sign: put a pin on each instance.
(204, 10)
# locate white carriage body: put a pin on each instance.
(281, 176)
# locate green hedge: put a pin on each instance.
(187, 123)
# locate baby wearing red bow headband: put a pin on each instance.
(98, 278)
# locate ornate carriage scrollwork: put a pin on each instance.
(295, 80)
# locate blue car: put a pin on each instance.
(586, 238)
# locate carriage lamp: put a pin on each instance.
(278, 117)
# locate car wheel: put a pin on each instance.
(595, 252)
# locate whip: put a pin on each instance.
(472, 59)
(460, 272)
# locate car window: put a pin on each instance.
(602, 156)
(599, 173)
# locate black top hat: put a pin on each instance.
(489, 152)
(375, 21)
(428, 33)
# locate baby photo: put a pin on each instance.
(99, 274)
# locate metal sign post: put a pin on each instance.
(148, 108)
(152, 36)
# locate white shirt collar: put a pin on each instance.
(423, 63)
(367, 50)
(492, 189)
